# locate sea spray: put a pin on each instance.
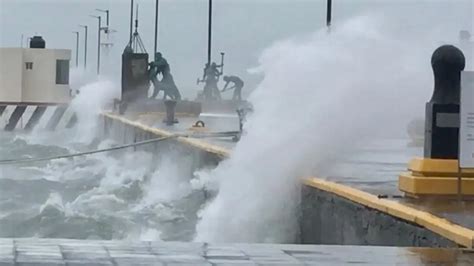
(321, 95)
(88, 104)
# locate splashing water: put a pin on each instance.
(119, 195)
(321, 95)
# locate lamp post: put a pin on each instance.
(107, 13)
(156, 25)
(85, 44)
(209, 34)
(77, 47)
(98, 41)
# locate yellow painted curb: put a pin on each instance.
(214, 149)
(458, 234)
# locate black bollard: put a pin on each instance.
(442, 111)
(170, 112)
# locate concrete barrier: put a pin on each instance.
(331, 213)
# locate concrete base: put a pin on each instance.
(435, 178)
(330, 219)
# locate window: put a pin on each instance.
(62, 72)
(29, 65)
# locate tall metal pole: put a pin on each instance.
(98, 46)
(209, 34)
(329, 14)
(98, 42)
(131, 23)
(156, 25)
(77, 48)
(85, 44)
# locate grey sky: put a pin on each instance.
(243, 28)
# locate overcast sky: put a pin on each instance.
(242, 28)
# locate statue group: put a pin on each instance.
(211, 76)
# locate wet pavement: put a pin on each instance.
(375, 169)
(76, 252)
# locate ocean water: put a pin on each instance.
(321, 101)
(119, 195)
(131, 194)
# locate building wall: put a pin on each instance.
(11, 63)
(37, 84)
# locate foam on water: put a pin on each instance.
(119, 195)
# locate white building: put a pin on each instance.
(34, 76)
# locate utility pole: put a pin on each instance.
(85, 44)
(98, 42)
(77, 48)
(209, 35)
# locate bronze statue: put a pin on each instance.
(238, 84)
(167, 84)
(210, 78)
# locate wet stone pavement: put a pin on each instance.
(79, 252)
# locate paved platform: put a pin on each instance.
(79, 252)
(214, 123)
(377, 173)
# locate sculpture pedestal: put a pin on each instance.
(435, 178)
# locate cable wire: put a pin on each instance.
(33, 160)
(140, 143)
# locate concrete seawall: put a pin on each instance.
(331, 213)
(125, 131)
(327, 218)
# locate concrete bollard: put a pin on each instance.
(170, 112)
(436, 175)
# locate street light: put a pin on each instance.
(77, 47)
(98, 41)
(85, 44)
(107, 12)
